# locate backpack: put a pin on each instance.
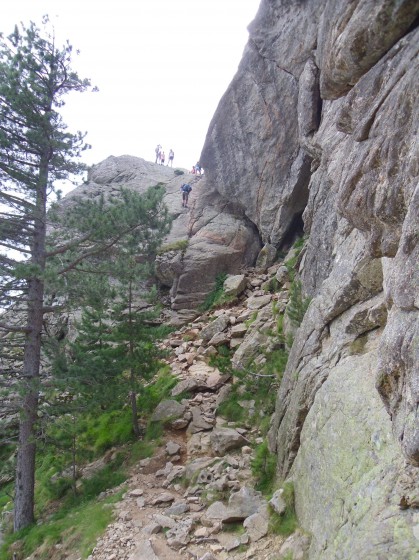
(186, 188)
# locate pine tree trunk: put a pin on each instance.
(25, 466)
(133, 393)
(134, 411)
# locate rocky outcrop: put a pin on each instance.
(318, 130)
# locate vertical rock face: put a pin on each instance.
(319, 127)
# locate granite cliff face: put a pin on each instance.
(318, 133)
(319, 127)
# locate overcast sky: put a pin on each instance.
(161, 67)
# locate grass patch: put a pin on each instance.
(180, 245)
(179, 172)
(297, 304)
(76, 531)
(286, 523)
(154, 432)
(141, 450)
(156, 391)
(264, 468)
(109, 429)
(216, 296)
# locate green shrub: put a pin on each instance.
(215, 297)
(110, 429)
(297, 304)
(180, 245)
(231, 410)
(222, 360)
(59, 487)
(292, 261)
(141, 450)
(154, 432)
(264, 468)
(108, 477)
(156, 391)
(179, 172)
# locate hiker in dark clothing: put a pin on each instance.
(185, 189)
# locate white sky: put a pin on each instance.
(161, 67)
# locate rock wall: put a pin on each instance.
(319, 126)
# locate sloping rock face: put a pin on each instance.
(319, 126)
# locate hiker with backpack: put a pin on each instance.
(185, 189)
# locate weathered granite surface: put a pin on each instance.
(320, 125)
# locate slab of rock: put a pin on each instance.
(172, 448)
(188, 385)
(198, 423)
(180, 423)
(246, 502)
(296, 546)
(219, 338)
(177, 508)
(257, 525)
(217, 326)
(277, 502)
(197, 465)
(218, 511)
(175, 473)
(256, 302)
(164, 520)
(199, 444)
(136, 493)
(179, 535)
(225, 439)
(163, 498)
(234, 285)
(168, 410)
(239, 330)
(266, 256)
(151, 528)
(144, 551)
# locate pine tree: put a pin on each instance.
(35, 151)
(115, 352)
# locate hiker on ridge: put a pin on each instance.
(157, 150)
(171, 156)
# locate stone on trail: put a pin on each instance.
(144, 551)
(172, 448)
(168, 410)
(234, 285)
(225, 439)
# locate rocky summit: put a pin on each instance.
(316, 136)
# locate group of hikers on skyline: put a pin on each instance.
(161, 156)
(185, 187)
